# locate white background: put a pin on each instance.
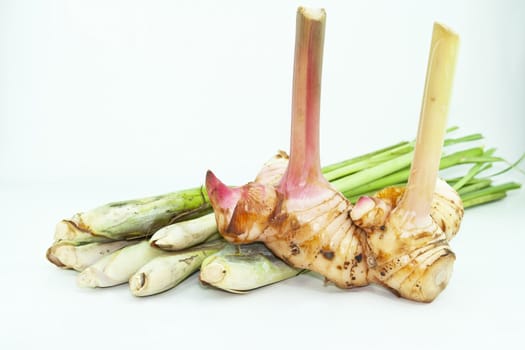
(109, 100)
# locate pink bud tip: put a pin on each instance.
(221, 196)
(362, 207)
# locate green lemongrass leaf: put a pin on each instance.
(470, 182)
(481, 184)
(452, 129)
(475, 170)
(491, 190)
(354, 182)
(340, 169)
(487, 198)
(512, 166)
(467, 138)
(331, 167)
(355, 185)
(470, 155)
(367, 163)
(484, 159)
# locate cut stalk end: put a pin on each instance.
(220, 195)
(314, 14)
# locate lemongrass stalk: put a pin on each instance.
(238, 269)
(472, 181)
(475, 201)
(396, 170)
(130, 219)
(118, 267)
(512, 166)
(354, 167)
(331, 167)
(492, 190)
(165, 272)
(378, 158)
(79, 257)
(357, 184)
(479, 185)
(483, 192)
(365, 176)
(185, 234)
(475, 170)
(466, 138)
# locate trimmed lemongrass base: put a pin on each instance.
(185, 234)
(79, 257)
(165, 272)
(131, 219)
(241, 268)
(118, 267)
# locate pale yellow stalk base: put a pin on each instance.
(119, 266)
(185, 234)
